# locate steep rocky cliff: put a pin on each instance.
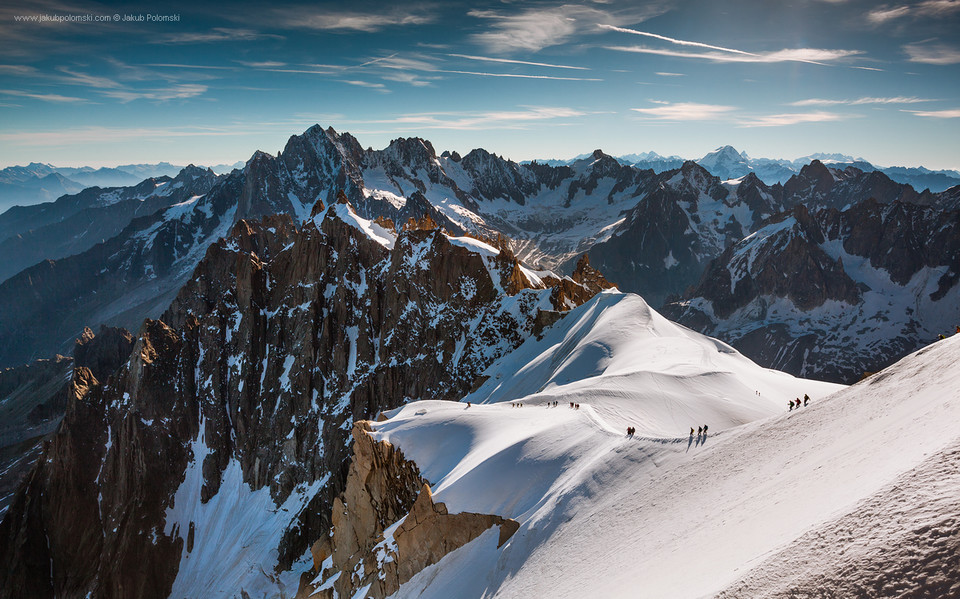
(225, 437)
(34, 397)
(386, 526)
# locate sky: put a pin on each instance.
(101, 84)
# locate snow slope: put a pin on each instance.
(636, 368)
(771, 505)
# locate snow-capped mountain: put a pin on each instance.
(651, 233)
(75, 223)
(725, 162)
(831, 293)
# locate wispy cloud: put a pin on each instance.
(665, 74)
(808, 55)
(781, 120)
(952, 113)
(860, 101)
(375, 86)
(73, 77)
(868, 69)
(330, 20)
(17, 69)
(685, 111)
(215, 35)
(503, 119)
(190, 66)
(518, 76)
(932, 53)
(533, 29)
(523, 62)
(675, 41)
(926, 9)
(884, 14)
(264, 64)
(694, 111)
(56, 98)
(174, 92)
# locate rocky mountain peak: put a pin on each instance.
(412, 151)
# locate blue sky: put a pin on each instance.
(522, 79)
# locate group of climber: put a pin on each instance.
(941, 337)
(516, 405)
(630, 431)
(796, 404)
(701, 431)
(574, 406)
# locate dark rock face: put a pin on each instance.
(665, 242)
(832, 294)
(279, 342)
(34, 397)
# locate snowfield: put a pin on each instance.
(857, 492)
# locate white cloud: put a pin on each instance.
(685, 111)
(932, 53)
(56, 98)
(524, 62)
(264, 64)
(537, 28)
(809, 55)
(780, 120)
(953, 113)
(217, 34)
(17, 69)
(175, 92)
(860, 101)
(324, 19)
(927, 8)
(882, 15)
(664, 74)
(504, 119)
(376, 86)
(94, 81)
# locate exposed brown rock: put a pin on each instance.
(578, 288)
(383, 487)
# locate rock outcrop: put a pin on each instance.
(34, 397)
(386, 526)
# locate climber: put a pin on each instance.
(691, 431)
(806, 399)
(699, 430)
(791, 404)
(704, 430)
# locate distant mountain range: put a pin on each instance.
(38, 182)
(727, 163)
